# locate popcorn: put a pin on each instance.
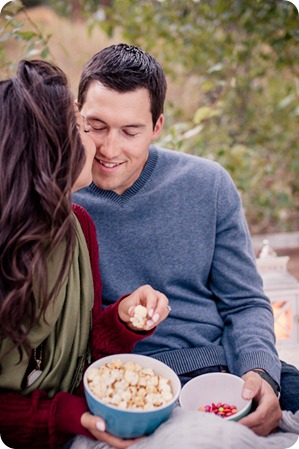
(129, 386)
(139, 318)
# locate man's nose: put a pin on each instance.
(110, 145)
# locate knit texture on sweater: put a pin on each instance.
(181, 228)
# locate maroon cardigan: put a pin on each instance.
(36, 421)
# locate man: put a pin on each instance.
(175, 221)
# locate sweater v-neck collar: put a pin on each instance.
(134, 189)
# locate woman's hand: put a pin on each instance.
(155, 302)
(96, 426)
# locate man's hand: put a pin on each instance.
(94, 423)
(154, 301)
(268, 413)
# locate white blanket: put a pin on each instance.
(194, 430)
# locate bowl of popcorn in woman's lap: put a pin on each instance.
(133, 393)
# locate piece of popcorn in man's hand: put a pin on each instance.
(139, 318)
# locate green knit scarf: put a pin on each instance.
(63, 332)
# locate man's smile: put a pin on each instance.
(108, 164)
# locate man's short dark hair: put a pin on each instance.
(126, 68)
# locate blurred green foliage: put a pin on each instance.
(34, 42)
(240, 59)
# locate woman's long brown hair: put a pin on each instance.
(41, 156)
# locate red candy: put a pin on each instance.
(220, 409)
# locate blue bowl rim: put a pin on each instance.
(132, 411)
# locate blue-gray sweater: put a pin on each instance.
(180, 228)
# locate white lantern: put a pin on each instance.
(283, 291)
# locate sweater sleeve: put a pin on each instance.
(248, 334)
(37, 421)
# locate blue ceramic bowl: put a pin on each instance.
(133, 423)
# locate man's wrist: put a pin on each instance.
(269, 379)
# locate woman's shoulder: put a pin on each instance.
(85, 221)
(80, 212)
(90, 234)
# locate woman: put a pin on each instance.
(52, 323)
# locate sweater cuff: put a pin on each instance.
(114, 331)
(134, 334)
(262, 360)
(65, 420)
(111, 336)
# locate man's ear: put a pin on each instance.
(76, 104)
(158, 127)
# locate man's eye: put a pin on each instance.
(95, 125)
(97, 128)
(130, 134)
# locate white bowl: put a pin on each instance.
(133, 423)
(214, 388)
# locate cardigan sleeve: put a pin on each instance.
(37, 421)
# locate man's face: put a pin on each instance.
(85, 178)
(121, 126)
